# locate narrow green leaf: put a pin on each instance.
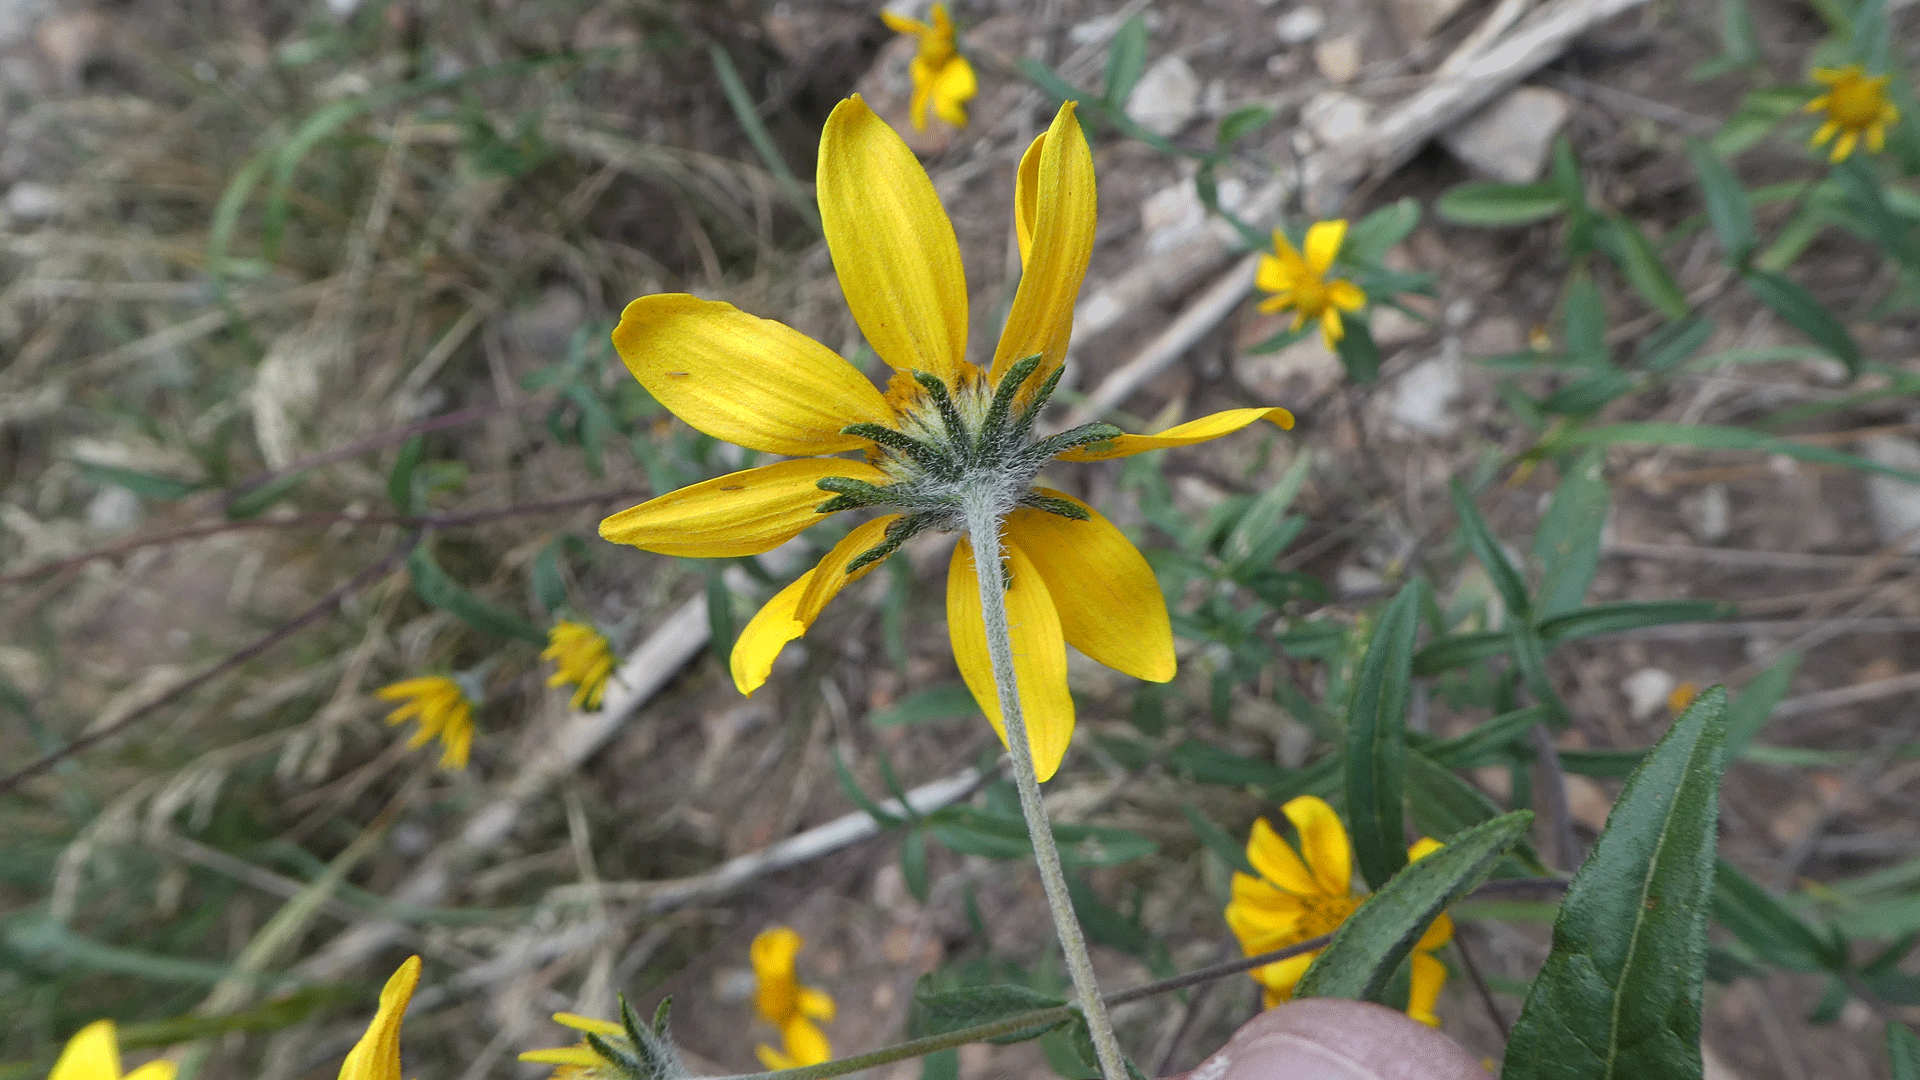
(1739, 46)
(1443, 805)
(286, 162)
(749, 117)
(942, 702)
(1619, 995)
(1377, 741)
(1487, 740)
(1530, 656)
(913, 864)
(1358, 353)
(1566, 179)
(1620, 615)
(1372, 235)
(1727, 206)
(1605, 764)
(858, 797)
(1496, 205)
(1210, 764)
(441, 591)
(1861, 185)
(1764, 924)
(151, 485)
(1630, 250)
(1668, 347)
(1126, 58)
(1250, 544)
(1369, 947)
(1568, 543)
(549, 584)
(1797, 306)
(1055, 86)
(259, 500)
(1586, 322)
(1903, 1051)
(1459, 650)
(1716, 437)
(1870, 45)
(1217, 841)
(936, 1012)
(719, 616)
(1480, 539)
(1242, 122)
(1755, 702)
(400, 488)
(1590, 394)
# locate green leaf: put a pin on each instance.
(1496, 205)
(1369, 946)
(1459, 650)
(257, 501)
(1589, 394)
(1903, 1051)
(1126, 58)
(1566, 179)
(972, 831)
(936, 1012)
(1055, 86)
(858, 797)
(1668, 347)
(1487, 740)
(1358, 354)
(719, 615)
(1727, 206)
(441, 591)
(1606, 764)
(1797, 306)
(1242, 122)
(287, 158)
(1764, 924)
(1755, 702)
(151, 485)
(549, 583)
(913, 864)
(1716, 437)
(1861, 186)
(1612, 618)
(1217, 841)
(1619, 995)
(1377, 741)
(1739, 46)
(1210, 764)
(1568, 543)
(942, 702)
(1869, 46)
(1372, 235)
(1629, 249)
(1480, 539)
(745, 111)
(1250, 544)
(400, 487)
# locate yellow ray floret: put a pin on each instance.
(943, 424)
(788, 1006)
(94, 1054)
(941, 76)
(1300, 282)
(377, 1055)
(584, 660)
(1303, 894)
(443, 710)
(581, 1061)
(1856, 107)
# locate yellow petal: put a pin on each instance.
(1844, 146)
(1284, 250)
(806, 1044)
(816, 1004)
(377, 1055)
(1065, 204)
(588, 1023)
(1831, 75)
(1826, 131)
(154, 1070)
(1276, 303)
(1278, 862)
(92, 1054)
(1345, 295)
(1281, 976)
(743, 379)
(743, 513)
(1877, 137)
(774, 951)
(1323, 843)
(900, 24)
(1261, 916)
(1039, 654)
(1438, 933)
(1323, 245)
(1275, 275)
(581, 1055)
(830, 576)
(1026, 195)
(766, 634)
(1818, 103)
(773, 1059)
(1108, 600)
(1429, 975)
(1331, 328)
(922, 95)
(892, 245)
(1193, 431)
(952, 89)
(1422, 848)
(407, 688)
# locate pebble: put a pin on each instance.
(1299, 26)
(1167, 97)
(1423, 398)
(1647, 691)
(1338, 58)
(1334, 117)
(1509, 139)
(1895, 503)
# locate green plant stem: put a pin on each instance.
(983, 531)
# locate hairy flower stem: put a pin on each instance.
(983, 531)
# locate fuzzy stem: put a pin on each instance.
(983, 531)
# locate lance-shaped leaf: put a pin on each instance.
(1369, 947)
(936, 1012)
(1480, 538)
(1766, 926)
(1377, 741)
(436, 588)
(1568, 543)
(1619, 995)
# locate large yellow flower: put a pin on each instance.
(377, 1055)
(94, 1054)
(1301, 283)
(940, 74)
(583, 658)
(1856, 106)
(944, 432)
(787, 1005)
(1297, 898)
(443, 709)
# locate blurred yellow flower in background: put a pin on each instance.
(1300, 282)
(377, 1055)
(787, 1005)
(94, 1054)
(443, 710)
(1857, 108)
(941, 76)
(584, 658)
(1301, 895)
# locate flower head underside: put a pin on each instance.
(942, 77)
(788, 1006)
(582, 658)
(443, 710)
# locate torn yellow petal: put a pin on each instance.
(1323, 843)
(1429, 975)
(746, 380)
(1278, 862)
(952, 89)
(377, 1055)
(1039, 653)
(766, 634)
(830, 576)
(892, 245)
(1323, 245)
(92, 1054)
(1193, 431)
(1065, 202)
(1110, 604)
(743, 513)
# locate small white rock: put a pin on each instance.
(1338, 58)
(1167, 97)
(1895, 503)
(1709, 514)
(1100, 28)
(1510, 138)
(1335, 117)
(1423, 398)
(113, 510)
(28, 201)
(1647, 691)
(1303, 371)
(1299, 26)
(1352, 580)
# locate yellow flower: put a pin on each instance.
(1297, 898)
(581, 1061)
(1301, 283)
(944, 431)
(377, 1055)
(787, 1005)
(94, 1054)
(940, 74)
(1856, 106)
(443, 710)
(584, 659)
